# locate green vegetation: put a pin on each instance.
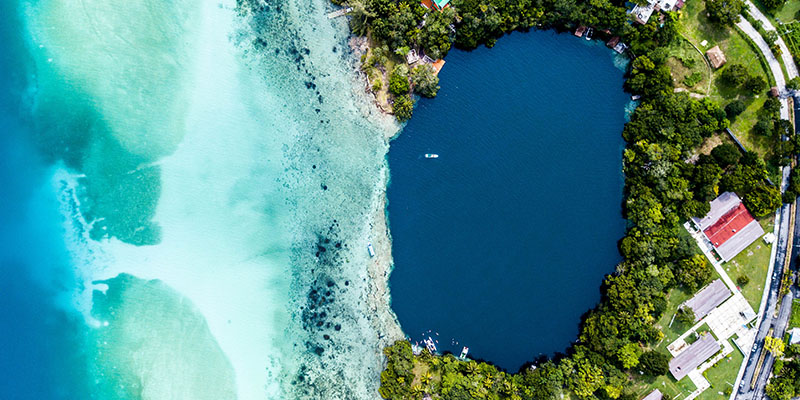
(785, 384)
(725, 12)
(791, 36)
(696, 27)
(425, 81)
(795, 321)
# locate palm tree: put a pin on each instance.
(359, 17)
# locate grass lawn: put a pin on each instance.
(794, 322)
(788, 13)
(684, 61)
(722, 375)
(695, 27)
(667, 385)
(753, 262)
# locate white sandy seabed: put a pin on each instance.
(272, 176)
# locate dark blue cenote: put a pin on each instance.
(502, 242)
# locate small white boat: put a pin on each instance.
(370, 250)
(464, 352)
(589, 33)
(431, 155)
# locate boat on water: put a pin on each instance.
(464, 352)
(370, 249)
(589, 33)
(431, 155)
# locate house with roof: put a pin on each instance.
(654, 395)
(693, 356)
(707, 299)
(716, 57)
(641, 12)
(435, 4)
(728, 227)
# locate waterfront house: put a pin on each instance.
(729, 227)
(641, 12)
(697, 353)
(580, 31)
(435, 4)
(708, 299)
(716, 57)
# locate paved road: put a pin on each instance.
(791, 68)
(774, 65)
(768, 317)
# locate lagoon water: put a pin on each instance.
(502, 242)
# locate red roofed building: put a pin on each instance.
(729, 227)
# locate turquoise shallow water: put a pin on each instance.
(502, 242)
(189, 188)
(175, 168)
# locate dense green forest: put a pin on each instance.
(617, 338)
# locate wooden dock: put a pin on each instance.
(339, 13)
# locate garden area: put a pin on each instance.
(696, 28)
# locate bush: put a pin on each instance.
(726, 154)
(755, 84)
(734, 75)
(734, 108)
(763, 200)
(377, 84)
(773, 4)
(425, 81)
(724, 12)
(398, 80)
(742, 280)
(403, 107)
(693, 79)
(763, 127)
(793, 83)
(654, 363)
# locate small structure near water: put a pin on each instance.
(716, 57)
(642, 13)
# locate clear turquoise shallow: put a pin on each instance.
(170, 171)
(502, 242)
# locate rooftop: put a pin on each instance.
(716, 57)
(654, 395)
(708, 299)
(691, 358)
(729, 226)
(795, 336)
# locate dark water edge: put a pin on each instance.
(41, 352)
(501, 244)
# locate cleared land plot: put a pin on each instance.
(695, 27)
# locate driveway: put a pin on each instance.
(774, 65)
(788, 62)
